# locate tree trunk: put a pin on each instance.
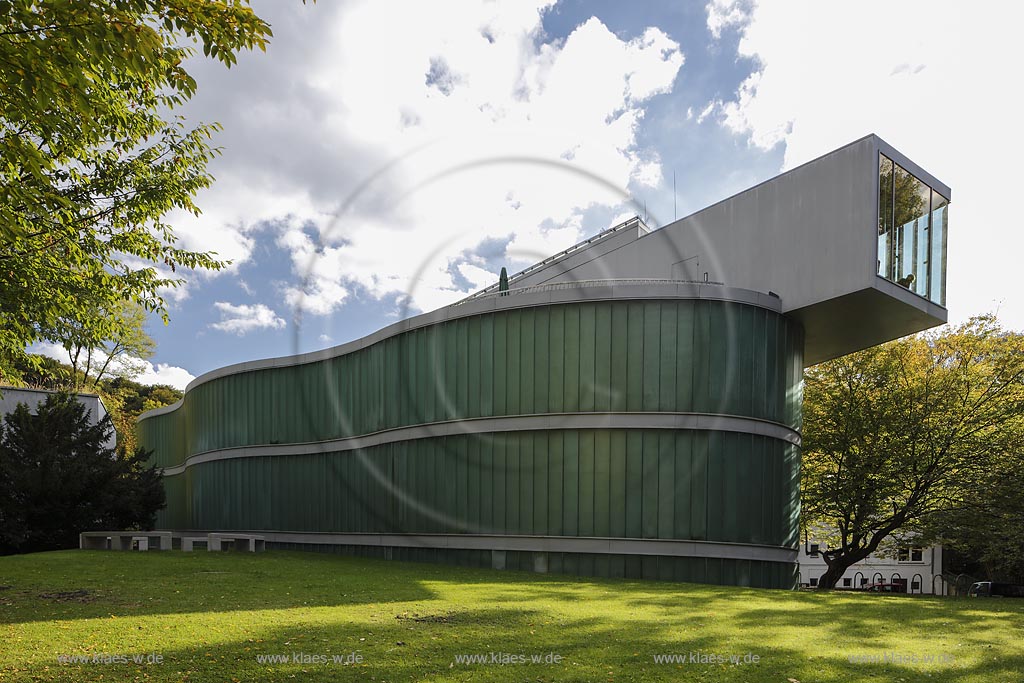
(831, 577)
(843, 561)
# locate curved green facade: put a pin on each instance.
(509, 437)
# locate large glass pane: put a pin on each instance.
(910, 218)
(937, 260)
(884, 216)
(920, 284)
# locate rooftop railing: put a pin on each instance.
(579, 284)
(634, 222)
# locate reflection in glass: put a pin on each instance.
(940, 223)
(920, 284)
(884, 215)
(912, 232)
(910, 217)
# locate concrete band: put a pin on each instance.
(484, 425)
(543, 544)
(608, 291)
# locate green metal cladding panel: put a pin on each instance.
(693, 356)
(638, 356)
(505, 483)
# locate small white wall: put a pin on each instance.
(11, 397)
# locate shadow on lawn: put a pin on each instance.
(948, 631)
(399, 648)
(398, 643)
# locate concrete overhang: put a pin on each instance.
(862, 319)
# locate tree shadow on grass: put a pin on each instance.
(406, 646)
(407, 623)
(400, 645)
(887, 637)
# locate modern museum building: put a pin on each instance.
(628, 407)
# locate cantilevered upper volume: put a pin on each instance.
(853, 243)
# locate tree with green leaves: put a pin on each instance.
(986, 526)
(895, 435)
(57, 478)
(93, 158)
(92, 357)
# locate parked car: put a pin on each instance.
(991, 589)
(885, 588)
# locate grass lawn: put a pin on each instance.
(213, 616)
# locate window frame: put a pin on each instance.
(905, 554)
(890, 233)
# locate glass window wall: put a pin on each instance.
(884, 215)
(939, 222)
(912, 232)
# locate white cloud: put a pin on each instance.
(474, 105)
(320, 296)
(233, 213)
(164, 373)
(723, 14)
(934, 79)
(315, 266)
(176, 295)
(708, 111)
(521, 118)
(477, 276)
(137, 369)
(242, 318)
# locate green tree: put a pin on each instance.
(894, 435)
(93, 158)
(986, 526)
(58, 479)
(92, 357)
(126, 400)
(40, 372)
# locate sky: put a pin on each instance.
(385, 158)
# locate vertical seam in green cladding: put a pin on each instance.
(661, 356)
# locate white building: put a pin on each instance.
(10, 397)
(917, 569)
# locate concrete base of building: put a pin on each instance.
(124, 540)
(733, 564)
(715, 571)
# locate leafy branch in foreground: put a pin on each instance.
(93, 159)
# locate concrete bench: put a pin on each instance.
(124, 540)
(243, 542)
(188, 542)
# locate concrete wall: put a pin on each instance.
(807, 235)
